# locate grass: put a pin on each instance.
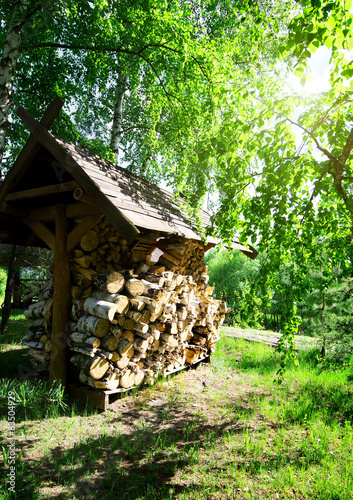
(222, 431)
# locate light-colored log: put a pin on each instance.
(134, 287)
(125, 348)
(100, 308)
(137, 304)
(83, 338)
(121, 301)
(123, 362)
(135, 315)
(139, 377)
(140, 327)
(127, 380)
(112, 282)
(97, 327)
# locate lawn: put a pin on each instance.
(221, 431)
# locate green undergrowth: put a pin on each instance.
(222, 431)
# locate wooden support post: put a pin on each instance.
(61, 299)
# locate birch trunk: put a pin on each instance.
(8, 62)
(118, 115)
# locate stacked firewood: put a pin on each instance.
(38, 337)
(134, 313)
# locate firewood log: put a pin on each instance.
(99, 308)
(125, 348)
(137, 304)
(96, 367)
(39, 355)
(97, 327)
(139, 377)
(121, 301)
(109, 281)
(83, 338)
(134, 287)
(122, 362)
(191, 356)
(89, 241)
(127, 380)
(135, 315)
(110, 342)
(128, 334)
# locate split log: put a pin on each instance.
(97, 327)
(139, 377)
(83, 338)
(89, 241)
(127, 380)
(126, 348)
(137, 304)
(123, 362)
(112, 282)
(134, 287)
(96, 368)
(110, 342)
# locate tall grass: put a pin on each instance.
(224, 431)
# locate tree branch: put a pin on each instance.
(347, 148)
(325, 151)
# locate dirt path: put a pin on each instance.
(268, 337)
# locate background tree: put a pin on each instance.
(173, 55)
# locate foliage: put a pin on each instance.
(3, 278)
(316, 300)
(34, 399)
(327, 313)
(177, 55)
(232, 275)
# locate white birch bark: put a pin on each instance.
(8, 62)
(118, 115)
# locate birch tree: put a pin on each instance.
(8, 63)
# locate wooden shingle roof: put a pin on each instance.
(133, 204)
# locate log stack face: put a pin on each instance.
(137, 311)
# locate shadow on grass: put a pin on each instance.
(146, 463)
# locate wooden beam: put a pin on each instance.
(81, 229)
(11, 209)
(44, 214)
(42, 191)
(80, 195)
(71, 211)
(44, 233)
(82, 210)
(29, 150)
(66, 156)
(61, 300)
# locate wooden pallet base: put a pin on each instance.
(105, 400)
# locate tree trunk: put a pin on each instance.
(8, 62)
(118, 115)
(6, 310)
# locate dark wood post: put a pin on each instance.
(61, 299)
